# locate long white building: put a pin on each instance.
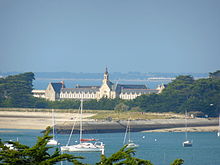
(58, 91)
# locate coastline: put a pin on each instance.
(64, 122)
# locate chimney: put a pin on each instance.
(63, 85)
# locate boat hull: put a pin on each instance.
(84, 147)
(187, 144)
(132, 145)
(53, 142)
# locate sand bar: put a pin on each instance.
(64, 121)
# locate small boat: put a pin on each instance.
(186, 143)
(53, 141)
(85, 145)
(130, 143)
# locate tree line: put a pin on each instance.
(183, 93)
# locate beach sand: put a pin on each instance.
(189, 129)
(34, 120)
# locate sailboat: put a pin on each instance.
(53, 141)
(85, 145)
(186, 143)
(130, 143)
(218, 133)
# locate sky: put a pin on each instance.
(123, 35)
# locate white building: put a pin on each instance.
(58, 91)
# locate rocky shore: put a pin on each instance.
(137, 125)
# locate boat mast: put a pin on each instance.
(186, 124)
(126, 132)
(129, 131)
(81, 108)
(53, 123)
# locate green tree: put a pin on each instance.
(36, 155)
(123, 157)
(181, 94)
(177, 162)
(16, 90)
(121, 107)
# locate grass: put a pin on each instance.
(100, 115)
(106, 114)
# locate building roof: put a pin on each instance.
(57, 86)
(79, 86)
(142, 91)
(128, 86)
(77, 90)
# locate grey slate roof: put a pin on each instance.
(57, 86)
(127, 86)
(142, 91)
(78, 90)
(93, 87)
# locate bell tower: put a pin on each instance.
(106, 76)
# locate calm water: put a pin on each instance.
(160, 148)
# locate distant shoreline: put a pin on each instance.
(153, 125)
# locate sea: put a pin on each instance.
(41, 84)
(161, 148)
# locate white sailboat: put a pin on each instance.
(53, 141)
(130, 143)
(218, 133)
(85, 145)
(186, 143)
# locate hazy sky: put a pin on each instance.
(125, 35)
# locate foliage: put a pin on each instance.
(121, 107)
(177, 162)
(38, 154)
(123, 157)
(15, 91)
(184, 93)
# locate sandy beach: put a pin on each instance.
(40, 120)
(34, 120)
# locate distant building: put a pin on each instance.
(39, 93)
(215, 75)
(58, 91)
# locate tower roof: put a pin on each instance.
(106, 70)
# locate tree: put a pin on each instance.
(123, 157)
(177, 162)
(38, 154)
(121, 107)
(16, 90)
